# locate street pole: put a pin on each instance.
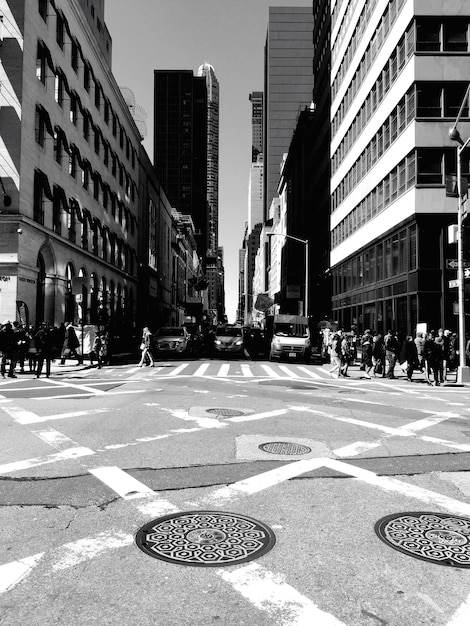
(463, 371)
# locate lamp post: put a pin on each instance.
(305, 242)
(463, 371)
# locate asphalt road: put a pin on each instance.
(88, 457)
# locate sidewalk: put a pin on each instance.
(356, 373)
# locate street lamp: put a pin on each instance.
(305, 242)
(463, 371)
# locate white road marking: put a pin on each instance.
(310, 373)
(256, 416)
(462, 615)
(246, 370)
(20, 415)
(224, 370)
(71, 554)
(428, 422)
(270, 371)
(271, 594)
(32, 418)
(64, 455)
(59, 383)
(357, 448)
(398, 432)
(201, 369)
(202, 422)
(87, 394)
(178, 369)
(288, 371)
(13, 573)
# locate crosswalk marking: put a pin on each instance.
(269, 370)
(201, 369)
(246, 370)
(288, 371)
(310, 373)
(179, 369)
(224, 370)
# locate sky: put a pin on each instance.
(183, 34)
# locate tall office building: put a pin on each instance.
(255, 185)
(212, 85)
(180, 145)
(256, 99)
(288, 86)
(399, 74)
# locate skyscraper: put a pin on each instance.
(288, 86)
(180, 145)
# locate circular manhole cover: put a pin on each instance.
(284, 447)
(205, 538)
(225, 412)
(435, 537)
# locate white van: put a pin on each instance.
(290, 338)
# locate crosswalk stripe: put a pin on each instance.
(310, 373)
(201, 369)
(288, 371)
(246, 370)
(270, 371)
(224, 369)
(178, 369)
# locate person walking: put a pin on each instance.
(346, 355)
(32, 351)
(419, 343)
(366, 345)
(7, 348)
(408, 357)
(70, 345)
(391, 352)
(145, 347)
(432, 355)
(335, 354)
(443, 342)
(378, 355)
(45, 347)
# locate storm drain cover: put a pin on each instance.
(225, 412)
(205, 538)
(284, 447)
(435, 537)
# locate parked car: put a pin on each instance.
(172, 340)
(255, 342)
(229, 340)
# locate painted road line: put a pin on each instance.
(357, 448)
(55, 439)
(310, 373)
(270, 371)
(59, 383)
(393, 485)
(201, 370)
(201, 421)
(178, 369)
(72, 554)
(398, 432)
(447, 444)
(13, 573)
(428, 422)
(246, 370)
(88, 394)
(64, 455)
(20, 415)
(288, 371)
(224, 370)
(32, 418)
(462, 616)
(348, 400)
(257, 483)
(256, 416)
(271, 594)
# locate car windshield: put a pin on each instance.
(290, 330)
(222, 331)
(170, 332)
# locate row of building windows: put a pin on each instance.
(385, 81)
(91, 85)
(81, 170)
(425, 166)
(52, 208)
(388, 19)
(423, 100)
(392, 257)
(348, 15)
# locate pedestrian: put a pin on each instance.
(7, 348)
(442, 341)
(31, 351)
(346, 355)
(419, 343)
(408, 357)
(433, 356)
(366, 345)
(335, 354)
(20, 343)
(378, 355)
(70, 345)
(453, 352)
(391, 352)
(45, 347)
(145, 347)
(97, 349)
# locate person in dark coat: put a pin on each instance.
(378, 355)
(7, 348)
(433, 357)
(409, 357)
(45, 347)
(70, 345)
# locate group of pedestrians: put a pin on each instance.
(433, 354)
(23, 346)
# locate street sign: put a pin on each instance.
(453, 264)
(453, 284)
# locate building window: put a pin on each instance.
(86, 127)
(97, 96)
(74, 56)
(430, 167)
(58, 147)
(428, 36)
(97, 141)
(429, 96)
(60, 30)
(453, 99)
(40, 128)
(73, 109)
(456, 36)
(42, 7)
(41, 63)
(59, 89)
(86, 77)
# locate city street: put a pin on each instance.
(89, 457)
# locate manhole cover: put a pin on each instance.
(284, 447)
(205, 538)
(435, 537)
(225, 412)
